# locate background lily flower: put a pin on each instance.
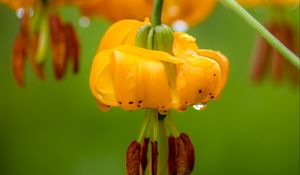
(179, 13)
(265, 57)
(255, 3)
(39, 21)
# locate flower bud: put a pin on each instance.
(158, 38)
(141, 39)
(163, 38)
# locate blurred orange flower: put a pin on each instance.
(265, 56)
(190, 12)
(255, 3)
(39, 22)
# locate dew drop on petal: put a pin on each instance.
(84, 22)
(20, 12)
(200, 106)
(180, 26)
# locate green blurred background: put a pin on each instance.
(55, 128)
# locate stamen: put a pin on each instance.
(133, 158)
(144, 153)
(190, 151)
(154, 158)
(144, 126)
(172, 126)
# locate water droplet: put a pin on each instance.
(180, 26)
(84, 21)
(200, 106)
(20, 12)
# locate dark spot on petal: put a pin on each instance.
(186, 102)
(200, 91)
(212, 97)
(209, 93)
(131, 102)
(108, 106)
(140, 101)
(214, 74)
(162, 106)
(138, 106)
(120, 102)
(165, 111)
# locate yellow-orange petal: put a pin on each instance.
(149, 54)
(221, 60)
(197, 81)
(183, 43)
(101, 78)
(140, 81)
(118, 33)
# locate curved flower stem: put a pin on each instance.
(156, 12)
(233, 5)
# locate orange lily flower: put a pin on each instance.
(38, 22)
(126, 76)
(265, 56)
(140, 65)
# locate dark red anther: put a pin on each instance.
(58, 46)
(133, 159)
(73, 47)
(154, 157)
(172, 155)
(181, 158)
(18, 59)
(144, 152)
(190, 151)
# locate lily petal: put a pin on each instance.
(221, 60)
(183, 43)
(118, 33)
(101, 82)
(197, 81)
(140, 81)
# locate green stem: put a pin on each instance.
(233, 5)
(156, 12)
(163, 147)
